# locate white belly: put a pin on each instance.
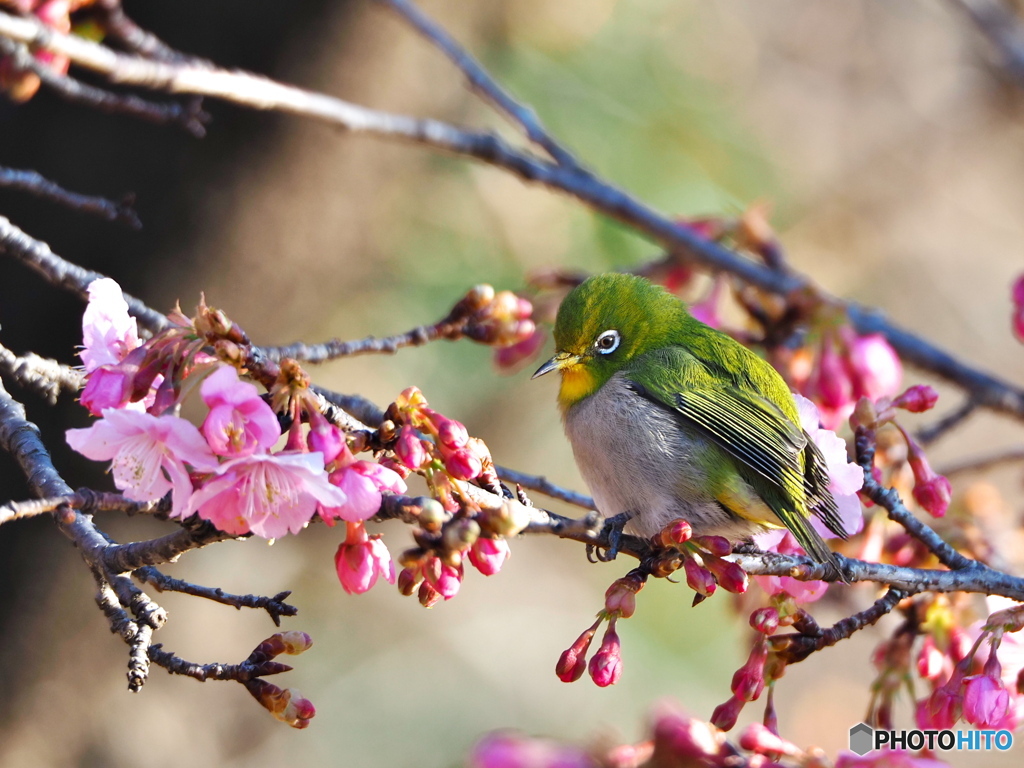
(636, 458)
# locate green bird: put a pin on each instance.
(669, 418)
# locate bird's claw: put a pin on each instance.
(612, 531)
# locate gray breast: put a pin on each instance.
(637, 458)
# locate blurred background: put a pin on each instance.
(893, 158)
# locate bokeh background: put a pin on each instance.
(894, 160)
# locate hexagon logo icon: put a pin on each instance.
(862, 738)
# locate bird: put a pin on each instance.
(669, 418)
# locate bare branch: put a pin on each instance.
(38, 185)
(45, 376)
(1010, 455)
(951, 420)
(795, 647)
(63, 274)
(189, 116)
(481, 81)
(889, 499)
(543, 485)
(121, 28)
(274, 606)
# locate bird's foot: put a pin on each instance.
(612, 531)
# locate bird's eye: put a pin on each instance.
(607, 342)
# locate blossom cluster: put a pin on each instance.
(229, 470)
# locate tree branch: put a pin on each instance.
(38, 185)
(261, 93)
(274, 606)
(45, 376)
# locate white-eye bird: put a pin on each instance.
(669, 418)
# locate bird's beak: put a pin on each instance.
(557, 363)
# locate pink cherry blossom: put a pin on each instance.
(109, 333)
(362, 483)
(986, 701)
(239, 422)
(266, 494)
(149, 453)
(488, 555)
(606, 665)
(802, 591)
(106, 387)
(361, 559)
(877, 370)
(845, 477)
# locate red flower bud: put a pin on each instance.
(765, 620)
(917, 399)
(463, 464)
(726, 714)
(606, 666)
(573, 661)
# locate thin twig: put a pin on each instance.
(274, 606)
(481, 81)
(1011, 455)
(952, 419)
(37, 255)
(40, 186)
(889, 499)
(125, 31)
(795, 647)
(189, 116)
(47, 377)
(543, 485)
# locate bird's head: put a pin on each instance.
(602, 325)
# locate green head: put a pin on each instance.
(603, 324)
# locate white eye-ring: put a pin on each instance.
(607, 342)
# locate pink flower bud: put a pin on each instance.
(930, 660)
(875, 367)
(757, 738)
(917, 399)
(509, 358)
(324, 437)
(748, 680)
(986, 701)
(835, 390)
(716, 545)
(932, 491)
(409, 448)
(451, 433)
(680, 739)
(726, 714)
(573, 661)
(287, 705)
(463, 464)
(698, 578)
(606, 666)
(446, 579)
(106, 387)
(428, 596)
(488, 555)
(680, 531)
(934, 495)
(620, 597)
(729, 575)
(765, 620)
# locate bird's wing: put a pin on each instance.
(773, 454)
